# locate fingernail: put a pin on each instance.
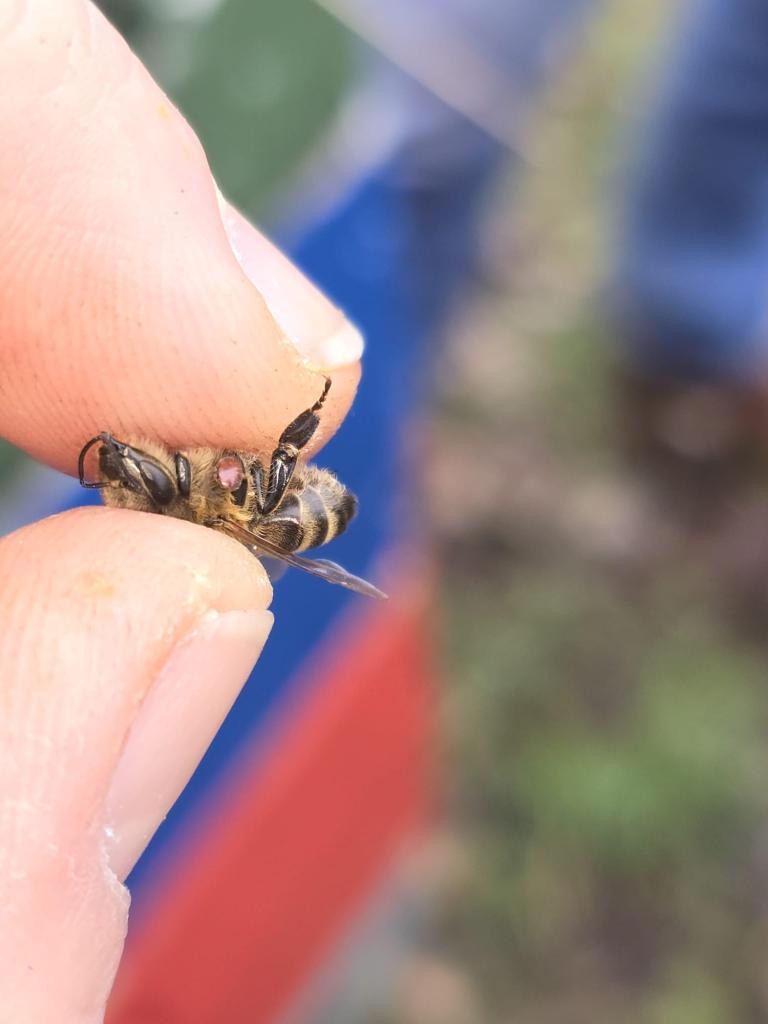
(175, 724)
(343, 346)
(318, 330)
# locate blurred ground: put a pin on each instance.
(606, 711)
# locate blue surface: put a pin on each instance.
(689, 291)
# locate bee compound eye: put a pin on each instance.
(230, 472)
(159, 485)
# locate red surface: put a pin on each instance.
(297, 842)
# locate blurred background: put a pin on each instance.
(547, 216)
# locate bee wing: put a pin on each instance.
(321, 567)
(276, 568)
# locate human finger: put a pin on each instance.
(132, 298)
(125, 640)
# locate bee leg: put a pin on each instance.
(91, 484)
(283, 461)
(299, 431)
(257, 476)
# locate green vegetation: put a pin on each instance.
(259, 82)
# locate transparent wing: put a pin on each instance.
(321, 567)
(276, 568)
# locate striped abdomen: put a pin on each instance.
(315, 509)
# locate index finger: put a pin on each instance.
(132, 299)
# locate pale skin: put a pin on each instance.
(132, 299)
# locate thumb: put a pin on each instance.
(132, 298)
(126, 638)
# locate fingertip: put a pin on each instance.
(112, 619)
(128, 301)
(190, 697)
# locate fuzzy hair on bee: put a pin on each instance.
(278, 509)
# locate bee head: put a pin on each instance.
(139, 471)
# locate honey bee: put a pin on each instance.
(275, 511)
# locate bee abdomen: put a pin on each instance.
(318, 509)
(314, 518)
(287, 534)
(346, 509)
(284, 527)
(325, 511)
